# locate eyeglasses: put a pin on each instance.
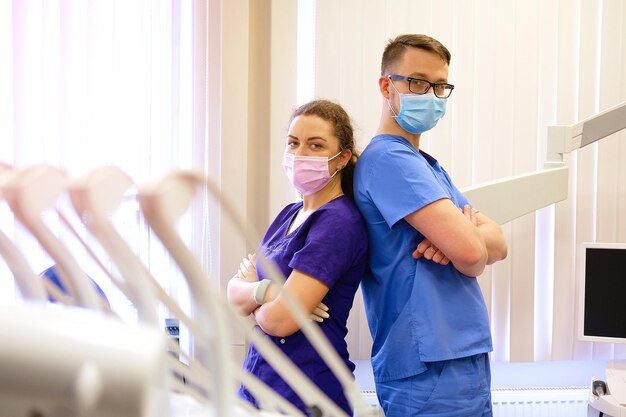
(419, 86)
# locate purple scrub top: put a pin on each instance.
(330, 245)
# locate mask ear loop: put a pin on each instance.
(339, 167)
(340, 152)
(393, 112)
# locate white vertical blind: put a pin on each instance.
(283, 98)
(305, 50)
(519, 67)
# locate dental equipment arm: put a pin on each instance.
(311, 331)
(512, 197)
(94, 197)
(29, 284)
(31, 191)
(162, 203)
(563, 139)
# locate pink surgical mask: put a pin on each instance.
(308, 174)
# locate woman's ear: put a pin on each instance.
(346, 155)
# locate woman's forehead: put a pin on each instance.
(311, 126)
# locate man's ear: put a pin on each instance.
(383, 86)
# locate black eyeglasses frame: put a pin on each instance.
(446, 86)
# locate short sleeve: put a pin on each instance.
(401, 182)
(336, 241)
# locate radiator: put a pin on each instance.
(372, 399)
(545, 402)
(522, 402)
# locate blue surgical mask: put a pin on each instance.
(419, 112)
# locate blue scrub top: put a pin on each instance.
(52, 275)
(418, 311)
(330, 245)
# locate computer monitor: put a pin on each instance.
(602, 291)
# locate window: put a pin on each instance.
(93, 83)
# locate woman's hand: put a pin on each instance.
(320, 313)
(247, 269)
(241, 287)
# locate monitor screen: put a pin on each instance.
(602, 290)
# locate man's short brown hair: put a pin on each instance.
(396, 47)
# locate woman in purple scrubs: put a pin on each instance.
(319, 244)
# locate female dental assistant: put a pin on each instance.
(319, 244)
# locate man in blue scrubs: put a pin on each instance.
(425, 309)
